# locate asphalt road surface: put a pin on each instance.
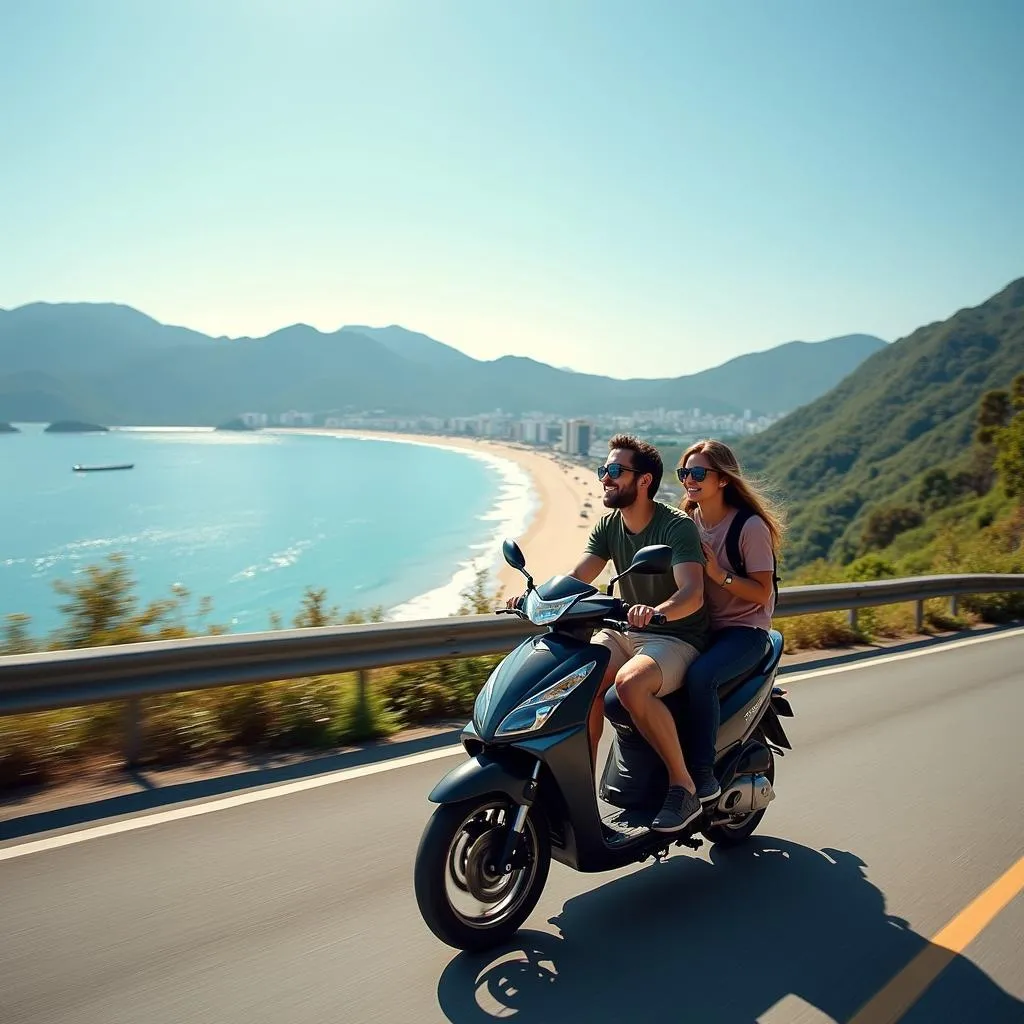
(899, 808)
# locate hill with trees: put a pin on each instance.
(113, 364)
(876, 454)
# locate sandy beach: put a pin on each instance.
(556, 534)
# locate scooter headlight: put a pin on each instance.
(533, 713)
(541, 612)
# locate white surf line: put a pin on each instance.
(362, 771)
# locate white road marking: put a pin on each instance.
(347, 774)
(887, 659)
(223, 803)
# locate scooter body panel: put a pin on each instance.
(536, 664)
(480, 776)
(565, 786)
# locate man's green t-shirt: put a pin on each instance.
(671, 526)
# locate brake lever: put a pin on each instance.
(510, 611)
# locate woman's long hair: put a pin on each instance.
(739, 492)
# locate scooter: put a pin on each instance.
(526, 794)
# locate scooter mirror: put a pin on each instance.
(513, 555)
(652, 560)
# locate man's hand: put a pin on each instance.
(640, 615)
(515, 602)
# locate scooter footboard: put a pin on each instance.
(479, 776)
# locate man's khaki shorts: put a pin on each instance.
(672, 655)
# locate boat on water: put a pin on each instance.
(102, 469)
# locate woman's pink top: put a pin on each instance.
(728, 609)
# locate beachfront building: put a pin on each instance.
(577, 437)
(292, 418)
(534, 430)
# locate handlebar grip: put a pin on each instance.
(657, 619)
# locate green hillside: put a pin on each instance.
(868, 444)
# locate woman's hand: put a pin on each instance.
(714, 571)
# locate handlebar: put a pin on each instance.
(657, 619)
(622, 625)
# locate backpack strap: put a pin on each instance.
(735, 556)
(732, 540)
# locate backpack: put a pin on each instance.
(732, 548)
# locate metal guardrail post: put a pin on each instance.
(918, 616)
(953, 605)
(132, 731)
(362, 697)
(852, 618)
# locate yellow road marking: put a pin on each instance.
(900, 994)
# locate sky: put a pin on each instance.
(630, 189)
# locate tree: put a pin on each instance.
(1017, 392)
(885, 524)
(477, 599)
(16, 637)
(314, 611)
(1010, 457)
(993, 413)
(936, 490)
(102, 608)
(1008, 438)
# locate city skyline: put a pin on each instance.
(530, 427)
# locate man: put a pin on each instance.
(646, 666)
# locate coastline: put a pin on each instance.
(554, 533)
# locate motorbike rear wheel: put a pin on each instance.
(739, 830)
(461, 899)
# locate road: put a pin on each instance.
(899, 805)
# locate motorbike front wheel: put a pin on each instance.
(463, 901)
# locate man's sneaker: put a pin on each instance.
(708, 789)
(679, 809)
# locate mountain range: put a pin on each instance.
(868, 442)
(113, 364)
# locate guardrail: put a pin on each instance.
(73, 678)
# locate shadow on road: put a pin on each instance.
(769, 923)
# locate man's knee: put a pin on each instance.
(636, 681)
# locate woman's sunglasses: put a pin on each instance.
(697, 472)
(614, 470)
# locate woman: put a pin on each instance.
(741, 606)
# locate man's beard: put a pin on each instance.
(621, 497)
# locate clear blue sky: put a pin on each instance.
(634, 189)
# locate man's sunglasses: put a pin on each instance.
(697, 472)
(614, 470)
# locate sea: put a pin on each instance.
(250, 520)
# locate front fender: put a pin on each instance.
(477, 777)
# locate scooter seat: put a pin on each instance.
(733, 684)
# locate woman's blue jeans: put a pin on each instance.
(732, 651)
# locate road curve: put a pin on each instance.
(899, 805)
